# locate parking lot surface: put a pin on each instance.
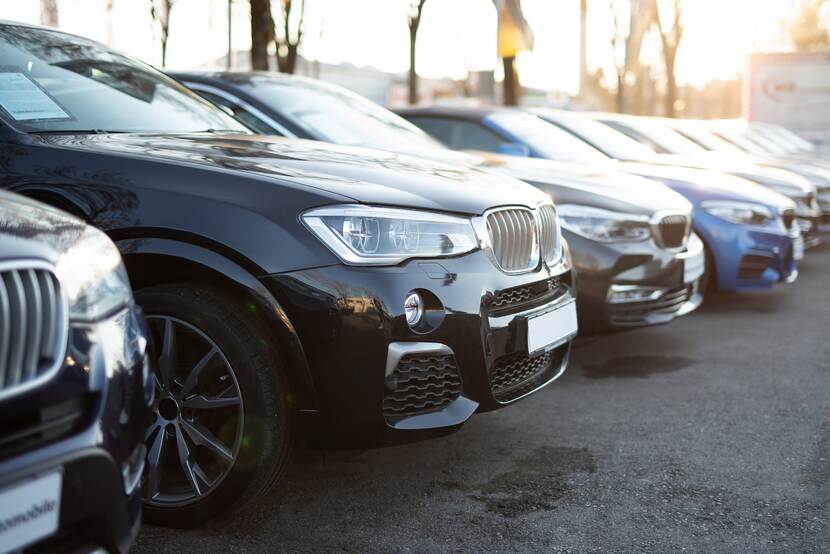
(709, 434)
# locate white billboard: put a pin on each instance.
(792, 90)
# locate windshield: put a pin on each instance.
(333, 114)
(707, 139)
(741, 141)
(610, 142)
(786, 134)
(667, 140)
(51, 82)
(548, 140)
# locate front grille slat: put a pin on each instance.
(5, 331)
(18, 315)
(50, 309)
(547, 232)
(34, 316)
(33, 325)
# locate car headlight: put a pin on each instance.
(367, 235)
(95, 281)
(604, 225)
(744, 213)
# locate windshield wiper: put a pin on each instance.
(76, 132)
(225, 131)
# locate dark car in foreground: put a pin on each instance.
(749, 232)
(350, 297)
(75, 386)
(636, 262)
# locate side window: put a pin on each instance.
(460, 135)
(239, 113)
(440, 129)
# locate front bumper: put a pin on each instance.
(633, 284)
(747, 258)
(372, 391)
(824, 206)
(86, 423)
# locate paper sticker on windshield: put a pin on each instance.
(24, 100)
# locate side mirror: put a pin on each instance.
(514, 149)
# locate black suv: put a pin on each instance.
(362, 297)
(74, 385)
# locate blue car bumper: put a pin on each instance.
(746, 258)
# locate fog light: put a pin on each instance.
(413, 309)
(623, 294)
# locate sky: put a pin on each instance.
(456, 36)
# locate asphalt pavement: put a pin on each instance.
(709, 434)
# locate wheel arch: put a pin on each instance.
(157, 261)
(711, 256)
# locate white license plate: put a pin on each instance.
(551, 328)
(693, 267)
(29, 511)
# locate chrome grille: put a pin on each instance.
(33, 326)
(548, 233)
(672, 231)
(789, 218)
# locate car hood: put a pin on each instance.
(355, 174)
(569, 183)
(30, 230)
(599, 187)
(782, 180)
(701, 184)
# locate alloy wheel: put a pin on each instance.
(195, 437)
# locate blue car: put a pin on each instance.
(750, 233)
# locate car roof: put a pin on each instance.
(239, 77)
(465, 112)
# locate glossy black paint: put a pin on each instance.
(107, 381)
(344, 307)
(598, 264)
(225, 209)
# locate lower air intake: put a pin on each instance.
(421, 384)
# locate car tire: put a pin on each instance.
(214, 455)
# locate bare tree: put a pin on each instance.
(160, 12)
(290, 34)
(262, 33)
(808, 32)
(619, 44)
(416, 8)
(287, 34)
(626, 44)
(110, 35)
(49, 12)
(670, 37)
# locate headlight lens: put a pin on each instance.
(604, 225)
(366, 235)
(743, 213)
(94, 279)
